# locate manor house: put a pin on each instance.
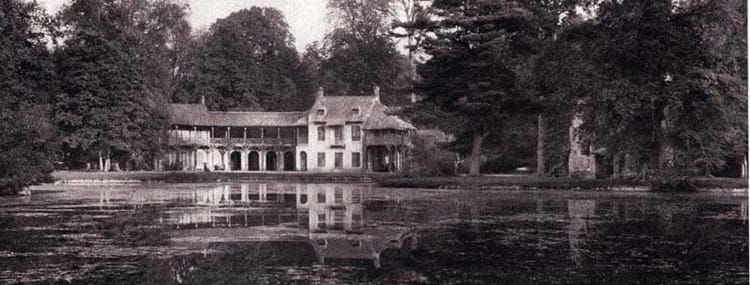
(338, 133)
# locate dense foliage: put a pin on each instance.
(658, 84)
(661, 84)
(246, 62)
(359, 52)
(26, 79)
(115, 79)
(480, 73)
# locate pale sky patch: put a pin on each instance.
(306, 18)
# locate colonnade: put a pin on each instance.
(244, 159)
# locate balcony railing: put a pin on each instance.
(218, 141)
(255, 141)
(338, 142)
(176, 140)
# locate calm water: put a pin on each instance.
(344, 234)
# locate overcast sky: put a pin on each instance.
(306, 18)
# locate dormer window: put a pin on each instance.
(321, 112)
(356, 111)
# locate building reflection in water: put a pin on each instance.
(328, 218)
(580, 213)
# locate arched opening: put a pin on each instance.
(235, 160)
(271, 161)
(303, 161)
(253, 160)
(289, 161)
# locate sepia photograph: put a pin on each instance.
(374, 142)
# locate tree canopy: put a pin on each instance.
(359, 52)
(658, 81)
(27, 79)
(116, 77)
(246, 61)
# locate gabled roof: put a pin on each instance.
(198, 115)
(338, 109)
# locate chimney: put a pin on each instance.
(376, 92)
(321, 92)
(203, 100)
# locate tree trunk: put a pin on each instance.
(108, 161)
(616, 163)
(540, 147)
(476, 155)
(101, 162)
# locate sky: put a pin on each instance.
(306, 18)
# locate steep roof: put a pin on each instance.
(338, 110)
(379, 119)
(188, 114)
(274, 119)
(198, 115)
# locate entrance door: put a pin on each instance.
(235, 160)
(289, 161)
(271, 161)
(253, 160)
(303, 161)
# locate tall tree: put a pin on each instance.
(115, 68)
(483, 53)
(246, 62)
(662, 82)
(27, 79)
(359, 52)
(658, 81)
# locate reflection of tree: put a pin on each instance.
(580, 213)
(743, 213)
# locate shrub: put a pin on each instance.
(428, 160)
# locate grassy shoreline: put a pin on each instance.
(207, 177)
(534, 183)
(510, 182)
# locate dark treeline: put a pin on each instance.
(660, 84)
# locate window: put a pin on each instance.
(321, 197)
(339, 160)
(338, 196)
(356, 159)
(339, 217)
(356, 133)
(321, 159)
(321, 133)
(321, 221)
(338, 134)
(355, 111)
(321, 112)
(356, 222)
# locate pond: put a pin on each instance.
(360, 234)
